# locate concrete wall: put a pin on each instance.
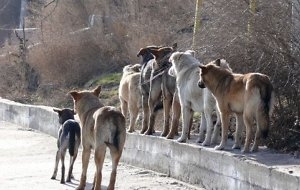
(191, 163)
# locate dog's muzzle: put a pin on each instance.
(201, 84)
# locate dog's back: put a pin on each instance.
(110, 128)
(70, 136)
(259, 97)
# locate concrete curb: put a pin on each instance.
(187, 162)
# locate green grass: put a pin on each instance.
(109, 79)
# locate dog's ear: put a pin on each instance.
(136, 68)
(191, 52)
(97, 90)
(57, 110)
(218, 62)
(139, 53)
(171, 71)
(75, 95)
(174, 46)
(142, 52)
(203, 69)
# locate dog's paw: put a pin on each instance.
(53, 177)
(254, 149)
(219, 147)
(236, 146)
(245, 150)
(181, 140)
(206, 143)
(62, 182)
(130, 130)
(170, 136)
(80, 188)
(148, 132)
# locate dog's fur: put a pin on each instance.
(68, 138)
(185, 69)
(130, 94)
(250, 96)
(102, 126)
(156, 82)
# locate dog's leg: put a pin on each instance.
(124, 107)
(99, 160)
(176, 111)
(225, 125)
(203, 126)
(238, 132)
(56, 164)
(133, 112)
(186, 117)
(248, 120)
(62, 159)
(115, 157)
(145, 114)
(154, 97)
(167, 101)
(209, 127)
(72, 160)
(217, 127)
(85, 162)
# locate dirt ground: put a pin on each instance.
(27, 161)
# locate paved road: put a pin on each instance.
(27, 161)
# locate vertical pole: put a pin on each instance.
(252, 7)
(197, 22)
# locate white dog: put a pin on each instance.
(129, 93)
(185, 67)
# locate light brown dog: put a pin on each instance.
(102, 126)
(250, 96)
(130, 94)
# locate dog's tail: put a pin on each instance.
(118, 135)
(267, 104)
(73, 128)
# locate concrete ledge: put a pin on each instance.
(190, 162)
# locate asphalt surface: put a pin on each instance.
(27, 162)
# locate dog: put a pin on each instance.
(102, 126)
(250, 96)
(185, 70)
(155, 82)
(69, 137)
(130, 94)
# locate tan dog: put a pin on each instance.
(250, 96)
(102, 126)
(130, 94)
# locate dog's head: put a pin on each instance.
(146, 53)
(163, 52)
(181, 60)
(64, 114)
(85, 100)
(132, 68)
(208, 71)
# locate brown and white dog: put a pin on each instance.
(102, 126)
(130, 94)
(250, 96)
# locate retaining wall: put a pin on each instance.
(190, 162)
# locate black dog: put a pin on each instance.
(68, 137)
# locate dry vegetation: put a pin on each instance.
(263, 41)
